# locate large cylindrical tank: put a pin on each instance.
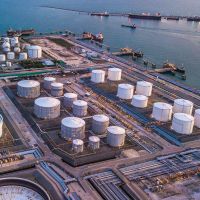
(28, 88)
(1, 126)
(94, 142)
(183, 123)
(144, 88)
(183, 106)
(139, 101)
(34, 52)
(48, 81)
(17, 50)
(162, 111)
(56, 89)
(116, 136)
(6, 49)
(80, 108)
(6, 45)
(125, 91)
(6, 39)
(2, 57)
(23, 56)
(47, 108)
(69, 98)
(8, 64)
(197, 118)
(73, 128)
(14, 41)
(100, 124)
(77, 146)
(10, 55)
(114, 74)
(98, 76)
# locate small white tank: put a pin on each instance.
(14, 41)
(100, 124)
(2, 57)
(28, 88)
(182, 123)
(183, 106)
(48, 81)
(114, 74)
(80, 108)
(47, 108)
(73, 128)
(56, 89)
(6, 49)
(8, 64)
(125, 91)
(69, 98)
(144, 88)
(116, 136)
(197, 118)
(77, 146)
(10, 55)
(94, 142)
(139, 101)
(1, 126)
(6, 39)
(162, 111)
(34, 52)
(23, 56)
(98, 76)
(6, 45)
(17, 50)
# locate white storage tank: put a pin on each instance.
(144, 88)
(6, 49)
(8, 64)
(73, 128)
(183, 123)
(34, 52)
(17, 50)
(14, 41)
(69, 98)
(162, 111)
(98, 76)
(77, 146)
(94, 142)
(116, 136)
(10, 55)
(1, 126)
(2, 57)
(197, 118)
(125, 91)
(114, 74)
(23, 56)
(6, 39)
(100, 124)
(183, 106)
(6, 45)
(139, 101)
(80, 108)
(47, 108)
(56, 89)
(28, 88)
(48, 81)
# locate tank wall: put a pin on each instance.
(144, 90)
(72, 133)
(177, 108)
(68, 102)
(94, 145)
(98, 77)
(77, 148)
(99, 127)
(115, 140)
(114, 75)
(197, 120)
(125, 93)
(182, 126)
(56, 92)
(139, 103)
(163, 115)
(1, 126)
(80, 111)
(28, 92)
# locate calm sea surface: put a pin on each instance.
(176, 41)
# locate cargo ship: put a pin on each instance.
(173, 67)
(104, 14)
(25, 32)
(148, 16)
(195, 19)
(89, 36)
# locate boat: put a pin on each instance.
(104, 14)
(172, 18)
(89, 36)
(174, 67)
(148, 16)
(133, 26)
(195, 19)
(138, 54)
(25, 32)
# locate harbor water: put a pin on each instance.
(176, 41)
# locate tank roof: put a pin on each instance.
(183, 102)
(183, 117)
(116, 130)
(99, 71)
(70, 95)
(100, 118)
(162, 105)
(80, 103)
(49, 78)
(28, 83)
(47, 102)
(78, 142)
(56, 84)
(140, 97)
(94, 139)
(73, 122)
(144, 83)
(34, 47)
(125, 86)
(115, 69)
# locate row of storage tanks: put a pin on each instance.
(182, 121)
(11, 49)
(72, 128)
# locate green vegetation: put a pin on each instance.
(28, 64)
